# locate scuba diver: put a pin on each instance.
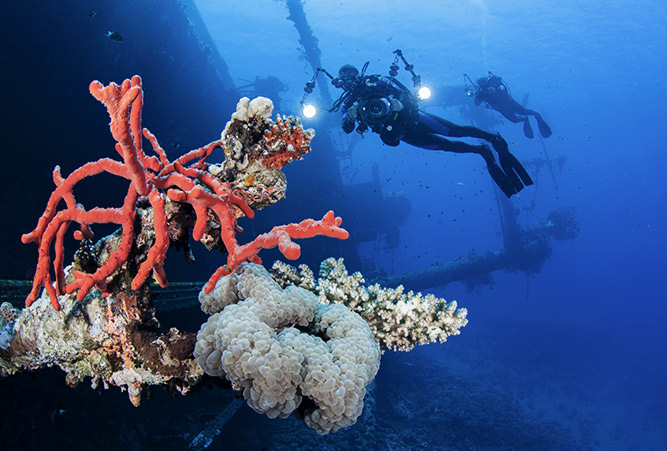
(493, 91)
(387, 107)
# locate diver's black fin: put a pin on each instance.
(507, 162)
(515, 171)
(527, 129)
(504, 183)
(508, 168)
(501, 179)
(545, 130)
(519, 169)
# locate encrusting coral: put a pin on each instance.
(399, 320)
(279, 345)
(256, 148)
(99, 338)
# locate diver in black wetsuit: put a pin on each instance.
(389, 109)
(493, 91)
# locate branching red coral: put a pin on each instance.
(153, 178)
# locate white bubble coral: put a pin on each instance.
(257, 339)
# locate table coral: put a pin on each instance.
(399, 320)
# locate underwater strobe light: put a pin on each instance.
(309, 110)
(469, 89)
(424, 93)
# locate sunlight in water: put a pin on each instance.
(481, 4)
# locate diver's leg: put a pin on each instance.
(428, 136)
(514, 112)
(439, 126)
(514, 172)
(517, 108)
(513, 117)
(430, 141)
(468, 131)
(545, 130)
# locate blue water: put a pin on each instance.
(572, 357)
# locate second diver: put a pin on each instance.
(493, 91)
(387, 107)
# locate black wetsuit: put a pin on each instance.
(389, 109)
(493, 91)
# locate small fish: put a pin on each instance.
(460, 184)
(92, 14)
(114, 36)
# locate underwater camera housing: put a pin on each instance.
(374, 109)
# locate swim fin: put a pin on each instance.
(495, 172)
(509, 164)
(515, 171)
(527, 129)
(545, 130)
(501, 180)
(510, 174)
